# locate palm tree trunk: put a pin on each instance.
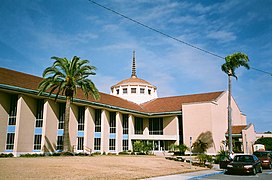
(66, 137)
(229, 115)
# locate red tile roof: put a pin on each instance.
(159, 105)
(174, 103)
(237, 129)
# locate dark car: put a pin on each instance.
(265, 157)
(244, 164)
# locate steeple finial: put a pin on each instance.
(133, 65)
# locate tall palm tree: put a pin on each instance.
(233, 62)
(65, 77)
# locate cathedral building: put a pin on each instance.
(131, 112)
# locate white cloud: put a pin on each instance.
(222, 36)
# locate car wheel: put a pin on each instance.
(254, 172)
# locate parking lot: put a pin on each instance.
(267, 174)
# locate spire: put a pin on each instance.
(133, 66)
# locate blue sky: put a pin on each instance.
(33, 31)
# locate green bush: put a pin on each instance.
(142, 147)
(178, 149)
(3, 155)
(124, 153)
(32, 155)
(203, 158)
(221, 156)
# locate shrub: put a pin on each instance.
(3, 155)
(32, 155)
(96, 153)
(221, 156)
(142, 147)
(203, 158)
(124, 153)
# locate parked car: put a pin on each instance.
(244, 164)
(265, 157)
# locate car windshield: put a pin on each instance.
(243, 159)
(261, 154)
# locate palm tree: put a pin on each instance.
(65, 77)
(233, 62)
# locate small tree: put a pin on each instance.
(267, 141)
(142, 147)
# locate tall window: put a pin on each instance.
(180, 129)
(60, 143)
(156, 126)
(11, 123)
(149, 91)
(80, 127)
(39, 113)
(125, 144)
(13, 110)
(38, 125)
(10, 141)
(61, 116)
(111, 144)
(142, 90)
(81, 119)
(125, 124)
(138, 125)
(117, 91)
(97, 120)
(80, 142)
(97, 144)
(61, 126)
(112, 122)
(37, 141)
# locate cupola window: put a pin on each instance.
(133, 90)
(125, 91)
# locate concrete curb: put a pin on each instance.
(206, 175)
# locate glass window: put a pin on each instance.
(81, 119)
(13, 110)
(149, 91)
(117, 91)
(156, 126)
(97, 120)
(61, 115)
(124, 90)
(125, 124)
(39, 113)
(10, 141)
(37, 142)
(60, 143)
(112, 122)
(125, 144)
(112, 144)
(97, 143)
(138, 125)
(80, 142)
(142, 90)
(133, 90)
